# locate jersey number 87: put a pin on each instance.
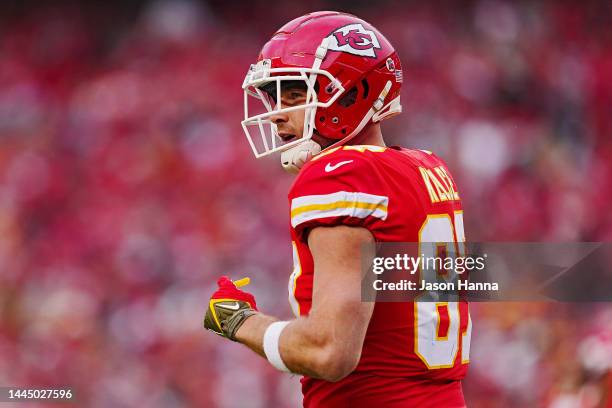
(438, 346)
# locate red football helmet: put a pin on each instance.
(351, 72)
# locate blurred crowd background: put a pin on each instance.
(127, 187)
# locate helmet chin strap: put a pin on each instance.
(293, 159)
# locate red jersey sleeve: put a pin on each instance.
(343, 188)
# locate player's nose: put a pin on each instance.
(279, 117)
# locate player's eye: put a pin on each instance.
(293, 98)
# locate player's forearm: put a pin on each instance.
(251, 333)
(297, 352)
(304, 347)
(318, 350)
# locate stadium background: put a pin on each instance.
(127, 186)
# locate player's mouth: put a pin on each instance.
(287, 137)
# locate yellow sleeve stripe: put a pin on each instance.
(336, 205)
(342, 203)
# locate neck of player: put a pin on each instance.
(371, 135)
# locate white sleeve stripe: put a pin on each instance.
(338, 212)
(338, 196)
(352, 204)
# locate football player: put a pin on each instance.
(326, 80)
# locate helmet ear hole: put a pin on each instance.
(349, 98)
(366, 88)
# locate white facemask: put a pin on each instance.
(294, 158)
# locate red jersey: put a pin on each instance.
(399, 195)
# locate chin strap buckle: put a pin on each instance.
(294, 159)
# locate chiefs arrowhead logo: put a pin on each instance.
(354, 39)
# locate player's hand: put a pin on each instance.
(229, 307)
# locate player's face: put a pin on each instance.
(290, 124)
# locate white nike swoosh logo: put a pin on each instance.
(329, 166)
(236, 306)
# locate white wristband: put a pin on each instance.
(270, 345)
